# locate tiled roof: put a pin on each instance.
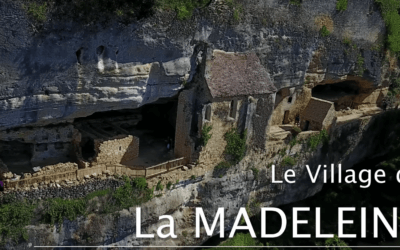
(234, 74)
(317, 110)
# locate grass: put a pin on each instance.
(184, 8)
(193, 177)
(389, 10)
(324, 31)
(335, 242)
(223, 165)
(256, 171)
(240, 239)
(235, 145)
(295, 2)
(288, 161)
(347, 41)
(205, 134)
(98, 193)
(360, 65)
(237, 9)
(341, 5)
(37, 11)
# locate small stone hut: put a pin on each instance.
(319, 114)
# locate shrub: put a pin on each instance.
(193, 177)
(288, 161)
(297, 130)
(123, 196)
(37, 11)
(58, 209)
(159, 186)
(295, 2)
(223, 165)
(255, 172)
(389, 9)
(205, 134)
(13, 219)
(315, 140)
(341, 5)
(236, 145)
(324, 31)
(140, 183)
(169, 185)
(184, 8)
(282, 152)
(335, 242)
(240, 239)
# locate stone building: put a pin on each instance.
(319, 114)
(234, 91)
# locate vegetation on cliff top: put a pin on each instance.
(184, 8)
(390, 12)
(341, 5)
(16, 215)
(96, 10)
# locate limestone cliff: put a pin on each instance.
(67, 70)
(54, 75)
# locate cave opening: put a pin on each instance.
(154, 125)
(88, 151)
(341, 94)
(17, 156)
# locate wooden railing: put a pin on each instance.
(164, 167)
(79, 174)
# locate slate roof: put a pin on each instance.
(234, 74)
(317, 110)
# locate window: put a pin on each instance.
(208, 113)
(232, 113)
(290, 100)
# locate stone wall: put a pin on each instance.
(221, 123)
(300, 98)
(118, 150)
(184, 145)
(68, 174)
(45, 176)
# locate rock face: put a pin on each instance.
(240, 187)
(67, 70)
